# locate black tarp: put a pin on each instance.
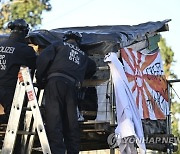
(102, 39)
(99, 39)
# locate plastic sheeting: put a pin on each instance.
(101, 39)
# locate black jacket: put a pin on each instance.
(64, 58)
(14, 53)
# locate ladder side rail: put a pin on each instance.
(14, 118)
(28, 127)
(36, 111)
(28, 140)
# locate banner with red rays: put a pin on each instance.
(147, 83)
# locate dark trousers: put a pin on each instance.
(61, 116)
(6, 99)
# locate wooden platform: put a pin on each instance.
(94, 137)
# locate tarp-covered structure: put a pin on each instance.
(105, 39)
(137, 49)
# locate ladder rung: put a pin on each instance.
(27, 109)
(2, 132)
(22, 132)
(92, 122)
(3, 125)
(93, 130)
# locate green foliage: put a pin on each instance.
(168, 59)
(175, 108)
(175, 120)
(30, 10)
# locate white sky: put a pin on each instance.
(72, 13)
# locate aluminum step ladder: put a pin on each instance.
(25, 96)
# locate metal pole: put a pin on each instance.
(172, 81)
(169, 150)
(169, 116)
(113, 108)
(169, 86)
(113, 105)
(112, 151)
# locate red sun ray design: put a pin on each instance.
(148, 60)
(137, 64)
(130, 77)
(158, 113)
(137, 98)
(158, 83)
(144, 105)
(126, 58)
(134, 88)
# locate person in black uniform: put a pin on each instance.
(14, 52)
(64, 65)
